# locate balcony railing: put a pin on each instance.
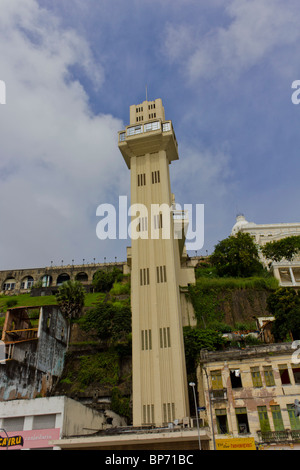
(144, 128)
(279, 436)
(218, 394)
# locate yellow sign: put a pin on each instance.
(242, 443)
(12, 441)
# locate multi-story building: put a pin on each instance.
(287, 272)
(34, 424)
(251, 393)
(148, 146)
(33, 347)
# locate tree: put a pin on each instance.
(103, 280)
(285, 248)
(112, 322)
(195, 340)
(237, 256)
(70, 298)
(284, 305)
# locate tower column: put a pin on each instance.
(160, 393)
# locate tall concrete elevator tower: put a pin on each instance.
(148, 146)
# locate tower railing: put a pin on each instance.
(146, 127)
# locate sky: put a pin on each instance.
(224, 70)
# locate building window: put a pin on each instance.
(44, 421)
(216, 380)
(144, 276)
(134, 130)
(9, 286)
(155, 177)
(148, 414)
(168, 412)
(284, 374)
(296, 373)
(235, 378)
(141, 179)
(269, 377)
(222, 423)
(277, 418)
(166, 127)
(146, 336)
(152, 126)
(161, 274)
(143, 224)
(164, 337)
(294, 420)
(256, 378)
(13, 424)
(263, 419)
(242, 420)
(158, 221)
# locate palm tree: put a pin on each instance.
(70, 299)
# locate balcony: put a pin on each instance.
(149, 137)
(218, 395)
(278, 436)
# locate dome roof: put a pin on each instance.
(240, 223)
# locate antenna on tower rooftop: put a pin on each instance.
(146, 94)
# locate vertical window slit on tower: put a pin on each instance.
(161, 274)
(143, 224)
(148, 414)
(144, 277)
(141, 179)
(168, 412)
(146, 340)
(165, 337)
(155, 177)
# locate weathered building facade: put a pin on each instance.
(251, 393)
(33, 424)
(35, 342)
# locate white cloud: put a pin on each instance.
(255, 28)
(58, 160)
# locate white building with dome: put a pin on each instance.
(288, 273)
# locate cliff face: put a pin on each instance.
(229, 301)
(241, 305)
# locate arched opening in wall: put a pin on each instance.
(9, 284)
(46, 280)
(82, 277)
(27, 282)
(62, 278)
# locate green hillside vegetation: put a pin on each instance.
(213, 295)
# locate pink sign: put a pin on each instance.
(38, 438)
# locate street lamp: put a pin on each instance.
(192, 384)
